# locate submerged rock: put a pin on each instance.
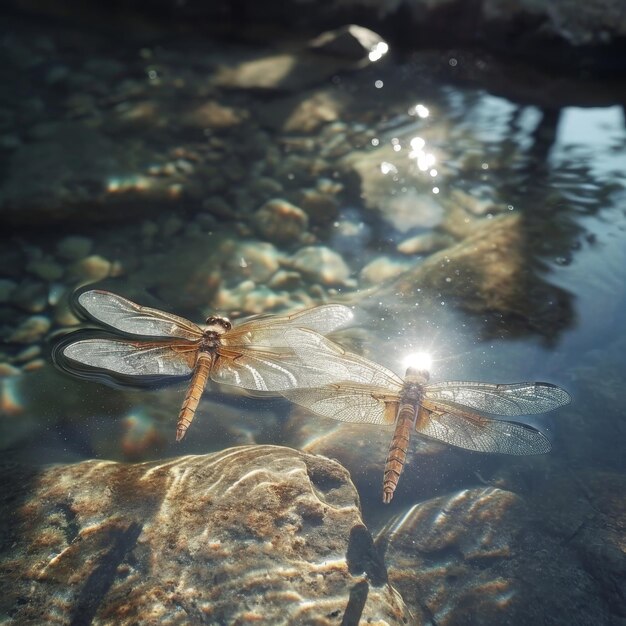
(74, 247)
(486, 555)
(259, 534)
(394, 181)
(321, 264)
(493, 273)
(32, 329)
(280, 221)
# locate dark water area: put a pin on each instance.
(459, 204)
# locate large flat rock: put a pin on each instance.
(259, 534)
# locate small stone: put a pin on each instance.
(284, 279)
(217, 206)
(74, 247)
(31, 330)
(472, 204)
(47, 269)
(266, 186)
(93, 267)
(34, 365)
(351, 42)
(32, 352)
(425, 243)
(7, 370)
(64, 316)
(321, 207)
(310, 113)
(56, 292)
(31, 297)
(381, 269)
(212, 114)
(321, 264)
(7, 289)
(280, 221)
(255, 260)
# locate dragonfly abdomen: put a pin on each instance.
(194, 393)
(396, 456)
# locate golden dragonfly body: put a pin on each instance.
(452, 412)
(151, 345)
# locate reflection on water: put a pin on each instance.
(482, 226)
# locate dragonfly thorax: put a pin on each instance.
(210, 341)
(412, 392)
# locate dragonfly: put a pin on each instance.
(451, 412)
(150, 346)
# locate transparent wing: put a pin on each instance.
(346, 403)
(335, 364)
(130, 358)
(321, 319)
(479, 433)
(123, 315)
(508, 400)
(282, 358)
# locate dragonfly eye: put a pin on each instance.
(224, 322)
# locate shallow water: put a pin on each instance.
(381, 155)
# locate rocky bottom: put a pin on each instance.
(270, 535)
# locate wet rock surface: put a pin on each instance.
(260, 533)
(486, 555)
(487, 273)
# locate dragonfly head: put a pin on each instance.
(416, 375)
(218, 323)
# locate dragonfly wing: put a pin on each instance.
(329, 359)
(321, 319)
(129, 358)
(345, 402)
(293, 360)
(507, 400)
(480, 433)
(123, 315)
(258, 370)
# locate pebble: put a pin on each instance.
(212, 114)
(382, 269)
(321, 264)
(7, 289)
(254, 260)
(470, 203)
(7, 370)
(93, 267)
(352, 42)
(64, 316)
(34, 365)
(46, 269)
(425, 243)
(321, 207)
(280, 221)
(266, 186)
(217, 206)
(74, 247)
(56, 292)
(32, 352)
(284, 279)
(31, 330)
(31, 297)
